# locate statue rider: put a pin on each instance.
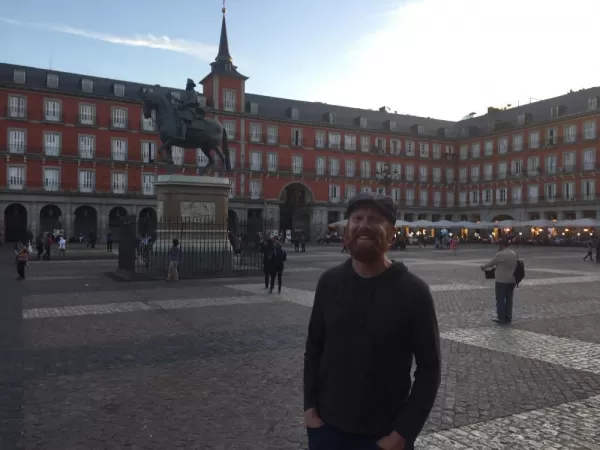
(188, 106)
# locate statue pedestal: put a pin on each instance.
(193, 210)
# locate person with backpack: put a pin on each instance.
(509, 271)
(279, 258)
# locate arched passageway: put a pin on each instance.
(294, 212)
(86, 221)
(50, 219)
(15, 223)
(114, 221)
(147, 222)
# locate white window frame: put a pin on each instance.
(19, 76)
(297, 164)
(255, 189)
(256, 161)
(118, 182)
(350, 168)
(320, 165)
(255, 132)
(272, 162)
(119, 149)
(52, 110)
(87, 146)
(272, 134)
(334, 193)
(87, 85)
(178, 155)
(17, 106)
(589, 159)
(87, 181)
(149, 124)
(17, 141)
(229, 100)
(148, 152)
(350, 191)
(16, 177)
(119, 118)
(119, 90)
(87, 117)
(334, 167)
(350, 142)
(52, 143)
(148, 184)
(296, 135)
(51, 179)
(589, 129)
(365, 143)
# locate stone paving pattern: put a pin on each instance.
(91, 363)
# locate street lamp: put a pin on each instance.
(386, 177)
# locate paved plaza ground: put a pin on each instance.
(87, 362)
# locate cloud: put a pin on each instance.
(445, 59)
(199, 50)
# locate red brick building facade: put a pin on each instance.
(76, 153)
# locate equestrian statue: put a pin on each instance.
(182, 122)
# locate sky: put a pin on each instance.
(431, 58)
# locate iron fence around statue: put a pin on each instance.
(206, 247)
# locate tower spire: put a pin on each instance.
(223, 63)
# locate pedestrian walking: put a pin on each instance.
(268, 251)
(62, 247)
(590, 247)
(505, 263)
(370, 317)
(109, 241)
(21, 259)
(279, 258)
(174, 259)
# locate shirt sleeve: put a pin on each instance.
(425, 338)
(494, 262)
(314, 347)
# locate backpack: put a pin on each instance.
(519, 272)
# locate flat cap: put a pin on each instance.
(384, 204)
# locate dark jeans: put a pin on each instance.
(329, 438)
(21, 268)
(279, 272)
(504, 301)
(109, 246)
(267, 271)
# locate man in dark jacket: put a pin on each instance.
(268, 251)
(370, 317)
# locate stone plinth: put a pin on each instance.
(193, 210)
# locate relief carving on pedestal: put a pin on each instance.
(197, 209)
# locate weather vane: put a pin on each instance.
(224, 9)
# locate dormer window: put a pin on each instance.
(52, 80)
(593, 103)
(87, 85)
(521, 119)
(421, 129)
(363, 122)
(253, 108)
(19, 76)
(329, 117)
(176, 95)
(392, 125)
(557, 111)
(293, 113)
(119, 90)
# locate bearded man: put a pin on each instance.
(370, 317)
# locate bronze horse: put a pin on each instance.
(205, 134)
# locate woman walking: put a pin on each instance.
(279, 258)
(268, 252)
(22, 258)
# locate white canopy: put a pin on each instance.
(539, 223)
(577, 223)
(403, 223)
(509, 224)
(422, 224)
(443, 224)
(339, 223)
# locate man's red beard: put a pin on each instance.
(369, 250)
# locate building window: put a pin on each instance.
(410, 148)
(119, 90)
(517, 195)
(410, 196)
(51, 179)
(570, 133)
(589, 159)
(437, 151)
(502, 170)
(424, 150)
(19, 76)
(148, 124)
(87, 85)
(87, 145)
(464, 152)
(148, 152)
(534, 139)
(87, 114)
(410, 172)
(516, 168)
(423, 173)
(488, 148)
(551, 136)
(231, 188)
(462, 199)
(350, 168)
(255, 132)
(462, 175)
(593, 103)
(533, 165)
(423, 197)
(228, 100)
(517, 142)
(119, 184)
(334, 167)
(86, 181)
(550, 190)
(365, 142)
(395, 147)
(365, 169)
(533, 194)
(589, 130)
(119, 149)
(486, 196)
(16, 106)
(437, 199)
(16, 178)
(550, 164)
(272, 162)
(202, 159)
(320, 139)
(272, 135)
(297, 164)
(119, 118)
(476, 150)
(296, 137)
(475, 174)
(350, 142)
(256, 161)
(334, 140)
(449, 175)
(503, 145)
(320, 165)
(52, 144)
(350, 191)
(229, 126)
(52, 80)
(231, 158)
(334, 193)
(177, 154)
(589, 189)
(16, 141)
(568, 161)
(255, 189)
(52, 111)
(449, 199)
(568, 191)
(363, 122)
(148, 181)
